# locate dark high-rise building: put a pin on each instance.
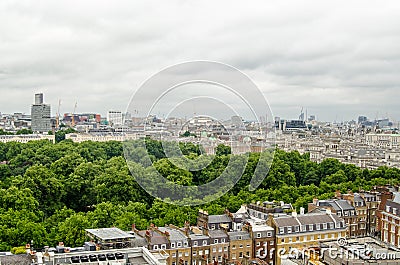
(362, 119)
(40, 115)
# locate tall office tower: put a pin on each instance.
(40, 115)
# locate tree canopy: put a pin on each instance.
(52, 192)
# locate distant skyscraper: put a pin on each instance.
(114, 117)
(362, 119)
(40, 115)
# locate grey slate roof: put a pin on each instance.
(358, 198)
(214, 219)
(286, 221)
(174, 234)
(317, 218)
(198, 236)
(307, 219)
(394, 204)
(337, 205)
(240, 235)
(345, 205)
(156, 238)
(217, 233)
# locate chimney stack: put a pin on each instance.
(148, 236)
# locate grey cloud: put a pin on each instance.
(339, 58)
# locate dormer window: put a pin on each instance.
(179, 244)
(172, 245)
(289, 229)
(204, 242)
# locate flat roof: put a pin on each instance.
(109, 233)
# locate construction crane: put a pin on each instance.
(58, 115)
(73, 115)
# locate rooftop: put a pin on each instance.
(109, 234)
(155, 237)
(15, 260)
(240, 235)
(217, 233)
(338, 205)
(260, 228)
(310, 218)
(174, 234)
(212, 219)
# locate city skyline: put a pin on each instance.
(303, 114)
(327, 57)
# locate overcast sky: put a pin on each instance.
(337, 59)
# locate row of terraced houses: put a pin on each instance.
(266, 232)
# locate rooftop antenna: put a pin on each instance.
(73, 115)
